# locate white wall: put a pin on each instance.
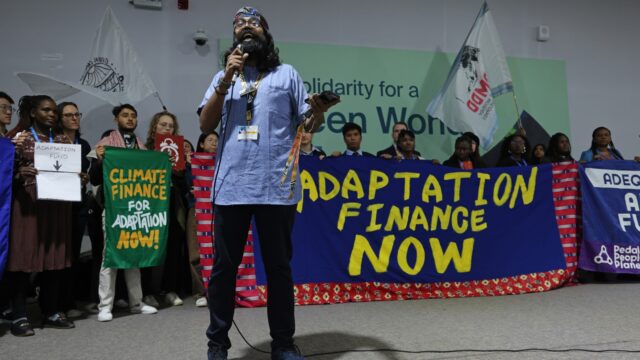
(597, 39)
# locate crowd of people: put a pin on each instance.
(515, 149)
(46, 236)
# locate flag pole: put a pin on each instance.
(156, 94)
(515, 101)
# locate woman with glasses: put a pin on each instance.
(514, 151)
(6, 111)
(174, 274)
(208, 143)
(40, 240)
(69, 125)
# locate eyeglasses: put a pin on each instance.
(253, 21)
(72, 115)
(7, 109)
(166, 125)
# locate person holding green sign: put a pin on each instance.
(263, 114)
(126, 118)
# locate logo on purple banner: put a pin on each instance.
(611, 217)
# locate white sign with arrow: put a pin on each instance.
(59, 167)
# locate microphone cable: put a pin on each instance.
(455, 351)
(222, 143)
(223, 132)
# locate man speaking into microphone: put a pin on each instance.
(261, 104)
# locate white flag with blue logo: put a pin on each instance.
(479, 73)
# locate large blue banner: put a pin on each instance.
(374, 220)
(6, 176)
(611, 216)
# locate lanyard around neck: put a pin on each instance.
(251, 94)
(523, 163)
(37, 138)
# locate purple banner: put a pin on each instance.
(611, 217)
(6, 175)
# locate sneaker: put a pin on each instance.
(105, 315)
(22, 328)
(121, 303)
(173, 299)
(143, 309)
(216, 354)
(292, 353)
(201, 302)
(151, 300)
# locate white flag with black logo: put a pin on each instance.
(113, 72)
(479, 73)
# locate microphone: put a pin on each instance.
(236, 73)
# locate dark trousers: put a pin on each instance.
(18, 286)
(175, 272)
(94, 228)
(173, 275)
(274, 224)
(5, 302)
(79, 224)
(50, 291)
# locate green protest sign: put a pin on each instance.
(136, 193)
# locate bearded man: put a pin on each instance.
(261, 105)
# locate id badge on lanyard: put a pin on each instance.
(247, 132)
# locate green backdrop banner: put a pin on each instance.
(381, 86)
(136, 192)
